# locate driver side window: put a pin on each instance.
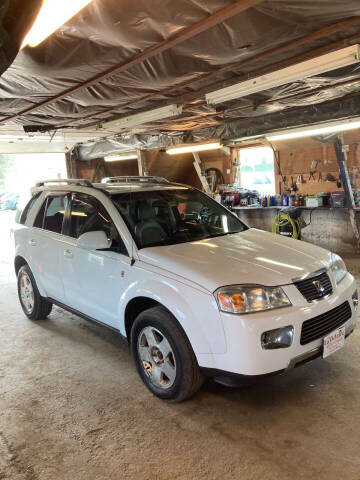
(88, 215)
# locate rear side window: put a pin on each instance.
(52, 213)
(27, 209)
(55, 213)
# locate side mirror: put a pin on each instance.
(93, 241)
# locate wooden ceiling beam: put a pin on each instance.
(185, 34)
(313, 36)
(282, 64)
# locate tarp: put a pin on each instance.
(108, 32)
(16, 17)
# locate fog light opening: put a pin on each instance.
(278, 338)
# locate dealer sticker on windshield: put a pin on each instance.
(334, 341)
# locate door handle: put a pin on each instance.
(68, 253)
(32, 243)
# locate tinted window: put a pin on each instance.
(176, 215)
(27, 209)
(54, 214)
(39, 220)
(88, 215)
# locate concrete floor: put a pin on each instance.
(73, 407)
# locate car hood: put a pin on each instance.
(250, 257)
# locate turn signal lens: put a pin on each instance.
(247, 298)
(238, 301)
(225, 301)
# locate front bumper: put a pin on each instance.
(230, 379)
(246, 357)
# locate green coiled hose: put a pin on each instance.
(283, 220)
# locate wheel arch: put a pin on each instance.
(138, 305)
(19, 262)
(195, 312)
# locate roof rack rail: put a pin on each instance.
(81, 182)
(134, 179)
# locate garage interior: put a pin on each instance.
(115, 88)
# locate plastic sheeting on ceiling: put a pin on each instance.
(15, 20)
(109, 32)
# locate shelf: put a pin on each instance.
(301, 208)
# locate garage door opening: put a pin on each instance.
(18, 174)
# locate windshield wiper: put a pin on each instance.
(221, 234)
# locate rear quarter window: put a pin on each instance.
(25, 213)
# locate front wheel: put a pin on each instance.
(33, 304)
(163, 356)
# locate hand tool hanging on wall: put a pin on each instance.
(293, 186)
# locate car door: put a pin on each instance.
(94, 280)
(45, 244)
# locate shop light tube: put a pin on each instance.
(314, 130)
(53, 14)
(309, 68)
(144, 117)
(193, 148)
(118, 158)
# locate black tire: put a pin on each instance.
(41, 307)
(188, 377)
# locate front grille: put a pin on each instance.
(325, 323)
(316, 287)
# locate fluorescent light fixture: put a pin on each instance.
(314, 130)
(309, 68)
(53, 14)
(144, 117)
(118, 158)
(193, 148)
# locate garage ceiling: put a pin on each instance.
(13, 140)
(117, 58)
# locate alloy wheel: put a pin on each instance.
(157, 357)
(27, 293)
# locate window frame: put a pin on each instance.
(98, 205)
(50, 195)
(28, 207)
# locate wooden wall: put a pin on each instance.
(295, 157)
(177, 168)
(218, 159)
(86, 169)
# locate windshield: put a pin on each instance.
(167, 217)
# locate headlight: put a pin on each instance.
(338, 268)
(250, 298)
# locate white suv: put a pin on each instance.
(194, 290)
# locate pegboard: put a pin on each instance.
(301, 161)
